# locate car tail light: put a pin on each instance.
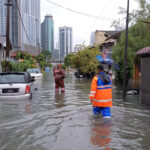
(27, 91)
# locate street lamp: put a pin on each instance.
(126, 53)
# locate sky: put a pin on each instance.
(107, 10)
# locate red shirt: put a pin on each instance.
(59, 73)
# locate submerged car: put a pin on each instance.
(15, 85)
(35, 73)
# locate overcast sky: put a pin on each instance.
(82, 25)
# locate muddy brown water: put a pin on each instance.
(55, 121)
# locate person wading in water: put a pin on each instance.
(101, 93)
(59, 75)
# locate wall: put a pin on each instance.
(145, 80)
(100, 37)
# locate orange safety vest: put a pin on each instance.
(101, 94)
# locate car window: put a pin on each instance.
(33, 71)
(12, 78)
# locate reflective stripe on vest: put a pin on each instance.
(96, 100)
(93, 92)
(104, 87)
(92, 95)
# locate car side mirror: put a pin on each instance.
(32, 79)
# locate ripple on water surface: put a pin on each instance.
(64, 121)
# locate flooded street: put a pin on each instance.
(55, 121)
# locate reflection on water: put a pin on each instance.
(59, 100)
(101, 133)
(64, 121)
(28, 109)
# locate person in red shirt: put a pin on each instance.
(59, 75)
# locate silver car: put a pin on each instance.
(15, 86)
(35, 73)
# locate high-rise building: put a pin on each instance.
(47, 33)
(3, 14)
(26, 27)
(25, 31)
(15, 25)
(3, 18)
(30, 10)
(13, 21)
(92, 39)
(65, 41)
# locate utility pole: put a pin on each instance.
(8, 4)
(126, 53)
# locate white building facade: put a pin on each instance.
(65, 41)
(30, 12)
(25, 31)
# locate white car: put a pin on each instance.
(35, 73)
(15, 86)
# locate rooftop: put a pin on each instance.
(14, 54)
(49, 15)
(65, 27)
(144, 51)
(114, 36)
(108, 32)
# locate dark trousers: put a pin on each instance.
(59, 83)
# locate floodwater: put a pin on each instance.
(55, 121)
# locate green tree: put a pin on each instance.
(67, 60)
(42, 59)
(85, 61)
(16, 65)
(47, 54)
(138, 38)
(118, 56)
